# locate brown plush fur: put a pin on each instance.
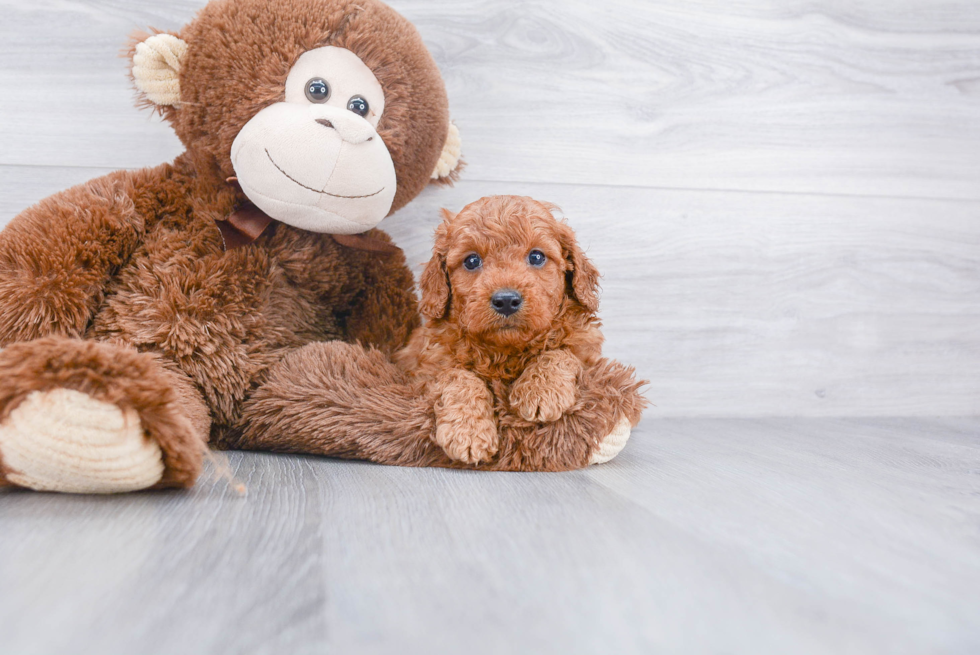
(342, 400)
(529, 392)
(240, 52)
(134, 260)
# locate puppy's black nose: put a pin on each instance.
(506, 302)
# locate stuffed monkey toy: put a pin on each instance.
(149, 314)
(141, 311)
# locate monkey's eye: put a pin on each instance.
(536, 258)
(358, 105)
(472, 262)
(317, 90)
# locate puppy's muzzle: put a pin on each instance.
(506, 302)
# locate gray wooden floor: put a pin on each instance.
(784, 199)
(753, 536)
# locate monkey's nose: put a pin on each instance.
(349, 126)
(506, 302)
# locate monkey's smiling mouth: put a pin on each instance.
(326, 193)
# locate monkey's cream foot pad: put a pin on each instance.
(64, 440)
(613, 443)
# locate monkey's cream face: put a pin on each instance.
(315, 161)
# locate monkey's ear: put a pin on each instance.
(434, 282)
(450, 161)
(156, 68)
(582, 275)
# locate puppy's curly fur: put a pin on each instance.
(474, 357)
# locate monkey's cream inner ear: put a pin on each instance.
(451, 152)
(156, 68)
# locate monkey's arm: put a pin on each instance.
(56, 257)
(340, 400)
(384, 311)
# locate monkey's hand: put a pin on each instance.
(384, 311)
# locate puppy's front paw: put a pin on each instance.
(542, 401)
(465, 425)
(471, 443)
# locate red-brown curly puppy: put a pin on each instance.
(511, 304)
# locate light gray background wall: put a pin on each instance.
(784, 198)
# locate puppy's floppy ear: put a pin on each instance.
(581, 275)
(434, 281)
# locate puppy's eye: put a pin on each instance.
(536, 258)
(358, 105)
(317, 90)
(472, 262)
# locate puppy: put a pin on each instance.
(510, 302)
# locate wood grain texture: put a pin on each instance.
(704, 536)
(799, 96)
(748, 304)
(732, 303)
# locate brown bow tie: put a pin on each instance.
(247, 223)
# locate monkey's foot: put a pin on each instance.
(612, 443)
(65, 440)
